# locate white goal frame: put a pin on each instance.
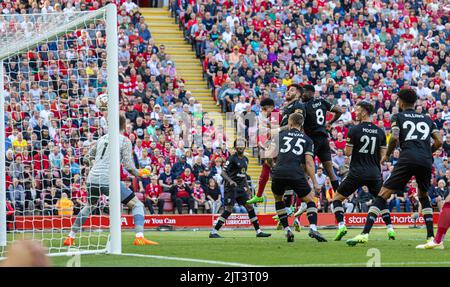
(114, 245)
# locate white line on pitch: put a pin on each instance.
(236, 264)
(363, 264)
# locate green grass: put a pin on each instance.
(244, 248)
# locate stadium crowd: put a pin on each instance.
(250, 50)
(349, 50)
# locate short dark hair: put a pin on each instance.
(296, 119)
(298, 87)
(309, 88)
(367, 106)
(409, 96)
(267, 102)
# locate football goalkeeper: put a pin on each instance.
(98, 184)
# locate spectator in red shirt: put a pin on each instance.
(340, 142)
(199, 198)
(188, 177)
(152, 196)
(181, 195)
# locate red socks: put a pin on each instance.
(263, 179)
(443, 223)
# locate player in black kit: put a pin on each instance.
(316, 128)
(295, 150)
(293, 104)
(413, 131)
(236, 189)
(366, 144)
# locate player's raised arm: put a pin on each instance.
(394, 139)
(437, 140)
(227, 178)
(383, 148)
(89, 158)
(127, 158)
(310, 169)
(348, 150)
(337, 111)
(383, 153)
(349, 144)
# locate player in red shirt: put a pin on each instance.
(272, 114)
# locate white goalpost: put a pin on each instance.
(52, 68)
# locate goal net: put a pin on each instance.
(53, 67)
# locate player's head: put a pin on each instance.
(293, 92)
(308, 92)
(407, 98)
(239, 146)
(364, 110)
(267, 105)
(295, 121)
(122, 122)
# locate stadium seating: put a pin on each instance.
(168, 204)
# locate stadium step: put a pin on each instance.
(165, 31)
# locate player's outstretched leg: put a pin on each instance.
(137, 208)
(220, 222)
(287, 198)
(338, 211)
(128, 198)
(263, 179)
(94, 192)
(302, 208)
(255, 222)
(328, 165)
(443, 225)
(76, 227)
(311, 212)
(427, 213)
(386, 215)
(283, 219)
(375, 210)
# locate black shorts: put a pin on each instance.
(352, 182)
(234, 195)
(403, 172)
(281, 185)
(95, 191)
(322, 148)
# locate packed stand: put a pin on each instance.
(52, 120)
(349, 50)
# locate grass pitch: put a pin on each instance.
(242, 248)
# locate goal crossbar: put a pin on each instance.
(23, 44)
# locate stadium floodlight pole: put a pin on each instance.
(2, 160)
(115, 246)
